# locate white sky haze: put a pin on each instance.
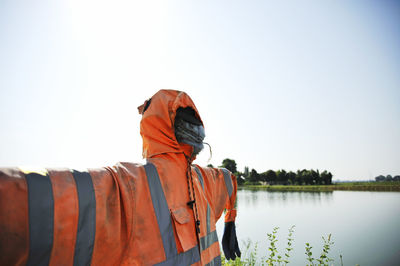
(279, 84)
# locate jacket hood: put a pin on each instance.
(157, 124)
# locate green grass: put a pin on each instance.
(354, 186)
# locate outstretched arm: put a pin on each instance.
(63, 216)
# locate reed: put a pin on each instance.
(274, 257)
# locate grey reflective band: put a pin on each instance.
(87, 218)
(183, 259)
(215, 262)
(41, 218)
(162, 211)
(165, 224)
(199, 176)
(208, 219)
(228, 181)
(207, 240)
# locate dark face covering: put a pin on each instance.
(189, 129)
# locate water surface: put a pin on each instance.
(365, 226)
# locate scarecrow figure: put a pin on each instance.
(160, 213)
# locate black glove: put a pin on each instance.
(229, 242)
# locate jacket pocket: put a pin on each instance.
(184, 231)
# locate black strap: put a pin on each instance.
(41, 218)
(87, 218)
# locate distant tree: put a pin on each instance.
(307, 177)
(329, 179)
(324, 177)
(315, 177)
(319, 180)
(254, 176)
(229, 164)
(270, 177)
(240, 180)
(389, 178)
(299, 178)
(210, 165)
(263, 176)
(396, 178)
(291, 178)
(380, 178)
(281, 177)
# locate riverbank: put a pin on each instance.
(352, 186)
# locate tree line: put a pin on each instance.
(280, 177)
(387, 178)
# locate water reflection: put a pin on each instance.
(254, 198)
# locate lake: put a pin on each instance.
(365, 226)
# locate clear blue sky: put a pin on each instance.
(279, 84)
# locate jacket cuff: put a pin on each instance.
(230, 216)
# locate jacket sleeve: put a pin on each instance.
(14, 227)
(63, 216)
(221, 192)
(230, 206)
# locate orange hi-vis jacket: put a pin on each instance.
(127, 214)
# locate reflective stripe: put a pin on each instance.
(199, 176)
(162, 211)
(228, 181)
(215, 262)
(208, 219)
(41, 218)
(165, 224)
(183, 259)
(207, 240)
(87, 218)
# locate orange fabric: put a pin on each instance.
(216, 194)
(210, 253)
(145, 245)
(172, 174)
(170, 157)
(126, 229)
(230, 214)
(14, 226)
(112, 219)
(157, 125)
(66, 214)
